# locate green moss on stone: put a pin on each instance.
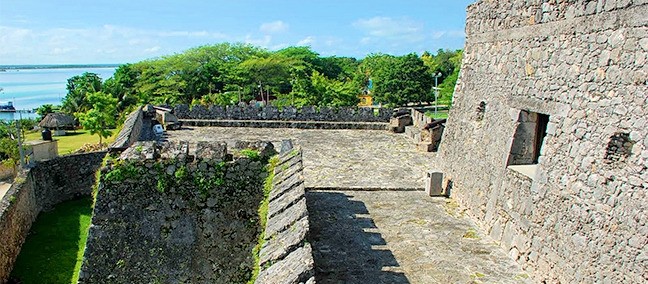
(263, 215)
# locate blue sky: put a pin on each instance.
(120, 31)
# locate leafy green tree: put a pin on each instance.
(407, 81)
(267, 73)
(43, 110)
(445, 62)
(9, 149)
(340, 68)
(396, 80)
(101, 116)
(447, 87)
(186, 77)
(78, 88)
(322, 91)
(122, 86)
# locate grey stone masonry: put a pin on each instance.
(307, 113)
(39, 189)
(286, 124)
(286, 256)
(563, 194)
(177, 213)
(130, 131)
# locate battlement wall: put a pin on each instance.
(286, 256)
(41, 188)
(307, 113)
(578, 213)
(189, 213)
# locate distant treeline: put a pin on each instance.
(225, 74)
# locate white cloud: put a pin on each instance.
(107, 43)
(365, 40)
(263, 42)
(62, 51)
(274, 27)
(152, 49)
(389, 27)
(309, 40)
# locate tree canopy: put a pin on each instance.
(101, 116)
(231, 73)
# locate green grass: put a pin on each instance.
(54, 248)
(72, 141)
(441, 114)
(263, 216)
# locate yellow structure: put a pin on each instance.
(365, 100)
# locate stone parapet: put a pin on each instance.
(307, 113)
(41, 188)
(178, 213)
(286, 124)
(286, 257)
(487, 16)
(130, 132)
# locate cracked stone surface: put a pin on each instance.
(363, 235)
(362, 159)
(400, 237)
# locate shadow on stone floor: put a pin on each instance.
(347, 246)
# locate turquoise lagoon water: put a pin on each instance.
(30, 88)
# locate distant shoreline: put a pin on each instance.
(57, 66)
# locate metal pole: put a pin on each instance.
(436, 94)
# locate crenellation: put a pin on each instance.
(286, 114)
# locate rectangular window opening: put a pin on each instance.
(527, 142)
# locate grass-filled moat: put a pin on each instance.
(53, 250)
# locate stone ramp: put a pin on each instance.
(400, 237)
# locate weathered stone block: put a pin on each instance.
(433, 183)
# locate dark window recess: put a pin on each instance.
(481, 109)
(528, 138)
(619, 148)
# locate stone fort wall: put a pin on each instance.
(286, 256)
(581, 217)
(166, 213)
(47, 184)
(307, 113)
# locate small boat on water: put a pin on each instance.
(7, 107)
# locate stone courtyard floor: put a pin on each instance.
(368, 222)
(363, 159)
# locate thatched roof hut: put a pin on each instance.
(57, 121)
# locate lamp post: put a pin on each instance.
(436, 92)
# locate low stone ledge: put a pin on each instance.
(360, 188)
(286, 257)
(130, 132)
(288, 184)
(297, 267)
(289, 113)
(283, 202)
(285, 219)
(277, 246)
(286, 124)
